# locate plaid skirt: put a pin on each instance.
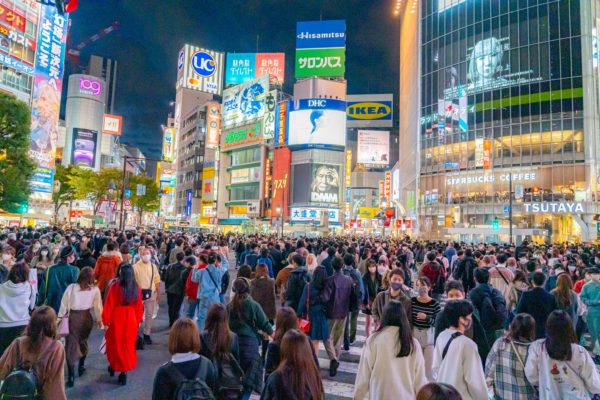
(251, 363)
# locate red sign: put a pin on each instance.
(387, 222)
(12, 18)
(127, 203)
(407, 222)
(398, 223)
(272, 64)
(76, 213)
(487, 154)
(282, 157)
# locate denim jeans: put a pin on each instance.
(192, 306)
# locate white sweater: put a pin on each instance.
(575, 379)
(462, 366)
(16, 299)
(76, 299)
(383, 375)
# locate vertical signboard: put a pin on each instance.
(84, 148)
(188, 203)
(281, 123)
(282, 157)
(348, 167)
(487, 154)
(478, 152)
(269, 118)
(320, 48)
(268, 177)
(213, 124)
(381, 191)
(45, 105)
(396, 185)
(388, 185)
(168, 139)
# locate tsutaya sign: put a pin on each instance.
(488, 178)
(561, 208)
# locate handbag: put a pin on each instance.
(304, 324)
(63, 325)
(147, 293)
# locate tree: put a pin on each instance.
(16, 168)
(94, 186)
(64, 192)
(147, 202)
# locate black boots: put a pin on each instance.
(81, 369)
(123, 378)
(111, 371)
(70, 375)
(147, 339)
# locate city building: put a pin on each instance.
(509, 115)
(18, 42)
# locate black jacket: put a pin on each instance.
(465, 272)
(539, 304)
(295, 286)
(165, 386)
(173, 279)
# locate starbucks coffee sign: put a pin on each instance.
(555, 208)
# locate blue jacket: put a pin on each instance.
(268, 263)
(210, 288)
(539, 304)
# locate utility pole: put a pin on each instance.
(121, 217)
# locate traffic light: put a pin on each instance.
(24, 208)
(496, 225)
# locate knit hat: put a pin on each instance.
(66, 251)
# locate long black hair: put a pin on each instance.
(129, 287)
(394, 314)
(319, 278)
(559, 336)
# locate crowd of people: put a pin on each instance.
(247, 314)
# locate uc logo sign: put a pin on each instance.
(204, 64)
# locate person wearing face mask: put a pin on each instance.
(57, 277)
(148, 279)
(455, 358)
(372, 283)
(32, 251)
(8, 259)
(590, 296)
(424, 311)
(396, 292)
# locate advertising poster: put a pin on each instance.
(269, 118)
(282, 157)
(320, 48)
(314, 215)
(317, 123)
(213, 124)
(243, 67)
(370, 110)
(245, 103)
(112, 124)
(200, 69)
(325, 184)
(84, 148)
(208, 177)
(396, 185)
(388, 185)
(45, 105)
(246, 135)
(373, 148)
(168, 139)
(281, 118)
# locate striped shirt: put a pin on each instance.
(430, 309)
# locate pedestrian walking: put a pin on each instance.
(314, 309)
(122, 315)
(148, 280)
(262, 290)
(372, 283)
(81, 305)
(58, 277)
(209, 284)
(175, 287)
(424, 310)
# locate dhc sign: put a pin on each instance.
(555, 208)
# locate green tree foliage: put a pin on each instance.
(147, 202)
(94, 186)
(16, 168)
(63, 193)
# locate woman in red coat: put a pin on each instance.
(122, 315)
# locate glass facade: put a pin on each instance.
(502, 92)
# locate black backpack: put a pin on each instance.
(355, 293)
(22, 383)
(492, 312)
(231, 375)
(190, 389)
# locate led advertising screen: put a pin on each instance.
(168, 145)
(317, 123)
(244, 103)
(373, 148)
(324, 183)
(84, 148)
(243, 67)
(213, 124)
(320, 48)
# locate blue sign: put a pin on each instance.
(128, 193)
(203, 64)
(370, 110)
(506, 209)
(321, 34)
(240, 68)
(319, 104)
(180, 60)
(42, 180)
(16, 64)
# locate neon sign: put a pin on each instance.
(90, 86)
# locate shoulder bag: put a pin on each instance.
(147, 293)
(63, 325)
(454, 336)
(304, 324)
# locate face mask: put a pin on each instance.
(6, 257)
(422, 291)
(467, 325)
(396, 286)
(381, 269)
(572, 268)
(36, 246)
(596, 277)
(146, 258)
(44, 253)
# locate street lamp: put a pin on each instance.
(112, 189)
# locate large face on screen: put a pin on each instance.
(325, 180)
(485, 60)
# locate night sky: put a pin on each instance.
(153, 31)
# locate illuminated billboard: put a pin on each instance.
(168, 144)
(244, 103)
(321, 48)
(370, 110)
(45, 105)
(317, 123)
(324, 183)
(112, 124)
(200, 69)
(84, 148)
(213, 124)
(243, 67)
(282, 157)
(373, 148)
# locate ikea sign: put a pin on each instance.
(370, 111)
